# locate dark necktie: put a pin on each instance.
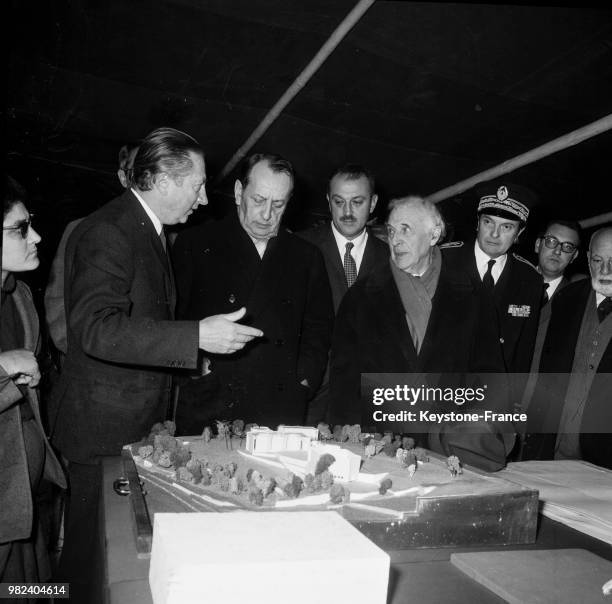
(350, 268)
(545, 297)
(604, 309)
(487, 279)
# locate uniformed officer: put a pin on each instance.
(511, 287)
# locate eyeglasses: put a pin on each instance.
(23, 227)
(552, 242)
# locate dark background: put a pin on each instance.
(425, 94)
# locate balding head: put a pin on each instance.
(600, 261)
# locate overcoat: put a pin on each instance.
(287, 296)
(16, 505)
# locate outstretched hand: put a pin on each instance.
(222, 334)
(21, 365)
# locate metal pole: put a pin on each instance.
(558, 144)
(587, 223)
(349, 21)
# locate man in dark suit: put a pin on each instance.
(123, 341)
(570, 416)
(510, 286)
(557, 247)
(349, 248)
(248, 259)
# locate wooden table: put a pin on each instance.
(423, 575)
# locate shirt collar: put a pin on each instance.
(482, 259)
(598, 298)
(154, 219)
(553, 285)
(341, 241)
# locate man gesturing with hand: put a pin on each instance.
(123, 341)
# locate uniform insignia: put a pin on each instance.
(451, 244)
(521, 259)
(232, 299)
(522, 310)
(502, 193)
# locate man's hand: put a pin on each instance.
(21, 365)
(221, 333)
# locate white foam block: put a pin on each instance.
(265, 557)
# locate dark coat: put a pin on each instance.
(122, 339)
(557, 358)
(371, 335)
(287, 296)
(376, 253)
(519, 286)
(16, 505)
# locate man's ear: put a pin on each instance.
(122, 178)
(538, 245)
(436, 232)
(161, 181)
(518, 235)
(237, 192)
(373, 202)
(574, 256)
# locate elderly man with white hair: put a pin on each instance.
(415, 315)
(570, 415)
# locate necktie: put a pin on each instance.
(487, 279)
(350, 268)
(545, 297)
(162, 239)
(604, 309)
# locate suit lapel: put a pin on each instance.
(152, 241)
(451, 294)
(393, 317)
(332, 255)
(369, 257)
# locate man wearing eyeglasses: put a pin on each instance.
(570, 415)
(557, 248)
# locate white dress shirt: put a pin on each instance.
(154, 219)
(482, 263)
(359, 244)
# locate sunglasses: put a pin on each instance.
(22, 226)
(552, 242)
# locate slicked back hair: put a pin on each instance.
(164, 150)
(425, 204)
(275, 162)
(354, 172)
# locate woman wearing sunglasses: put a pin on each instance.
(25, 455)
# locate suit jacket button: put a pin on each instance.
(501, 340)
(232, 298)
